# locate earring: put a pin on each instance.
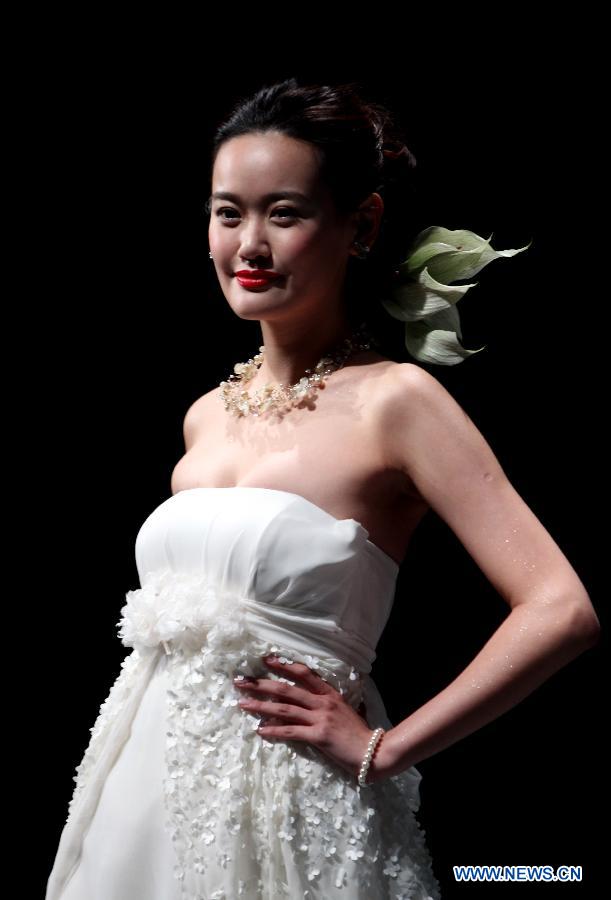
(210, 255)
(363, 249)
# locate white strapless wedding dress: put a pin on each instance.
(177, 796)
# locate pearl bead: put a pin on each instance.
(373, 740)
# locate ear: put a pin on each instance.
(366, 220)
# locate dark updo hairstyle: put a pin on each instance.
(362, 150)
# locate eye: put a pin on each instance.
(220, 212)
(292, 213)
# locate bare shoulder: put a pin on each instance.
(409, 377)
(427, 434)
(199, 414)
(411, 389)
(408, 392)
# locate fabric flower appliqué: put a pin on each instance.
(186, 610)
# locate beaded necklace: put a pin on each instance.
(238, 401)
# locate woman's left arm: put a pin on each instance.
(551, 620)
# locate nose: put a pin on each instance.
(249, 253)
(254, 244)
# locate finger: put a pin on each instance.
(272, 720)
(299, 671)
(289, 693)
(286, 732)
(282, 711)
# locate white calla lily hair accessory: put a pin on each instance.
(425, 298)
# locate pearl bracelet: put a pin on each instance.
(373, 740)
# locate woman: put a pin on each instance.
(303, 481)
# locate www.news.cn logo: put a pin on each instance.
(517, 873)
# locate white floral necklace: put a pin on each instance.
(238, 401)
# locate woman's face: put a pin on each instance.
(303, 239)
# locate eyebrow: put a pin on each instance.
(269, 198)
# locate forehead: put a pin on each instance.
(264, 163)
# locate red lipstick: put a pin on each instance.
(256, 277)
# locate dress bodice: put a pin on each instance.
(292, 568)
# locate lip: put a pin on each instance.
(257, 273)
(258, 278)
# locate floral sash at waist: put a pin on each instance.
(187, 612)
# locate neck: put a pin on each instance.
(293, 347)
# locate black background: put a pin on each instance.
(127, 326)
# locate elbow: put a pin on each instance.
(584, 625)
(591, 634)
(573, 616)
